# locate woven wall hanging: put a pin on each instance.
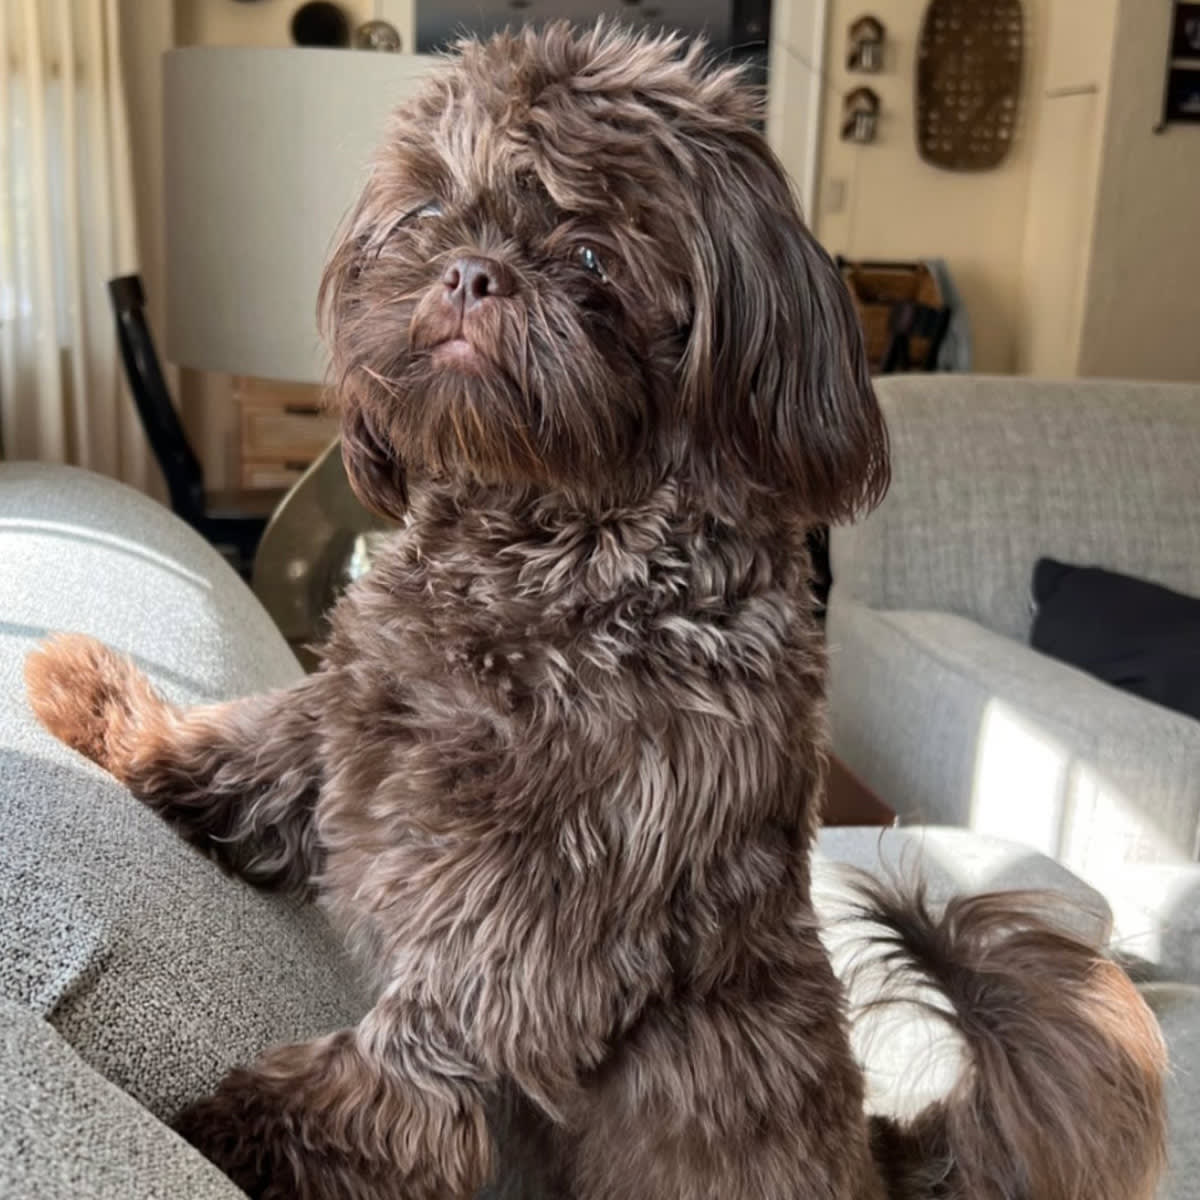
(969, 62)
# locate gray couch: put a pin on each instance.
(938, 701)
(132, 972)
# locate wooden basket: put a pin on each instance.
(970, 60)
(877, 288)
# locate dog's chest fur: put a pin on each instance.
(561, 747)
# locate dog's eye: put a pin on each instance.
(424, 212)
(589, 260)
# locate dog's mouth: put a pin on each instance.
(452, 344)
(461, 349)
(458, 351)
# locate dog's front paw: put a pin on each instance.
(238, 1129)
(90, 697)
(215, 1128)
(261, 1133)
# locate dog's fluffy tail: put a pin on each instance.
(1061, 1092)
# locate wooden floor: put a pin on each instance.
(850, 802)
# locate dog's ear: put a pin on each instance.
(376, 475)
(775, 371)
(355, 330)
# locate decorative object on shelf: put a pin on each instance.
(867, 37)
(378, 35)
(970, 60)
(320, 23)
(1185, 36)
(1181, 92)
(860, 116)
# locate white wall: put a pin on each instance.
(798, 30)
(1067, 132)
(1143, 310)
(206, 398)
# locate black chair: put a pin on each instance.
(911, 320)
(880, 284)
(233, 525)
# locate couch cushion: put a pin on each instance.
(156, 968)
(69, 1134)
(953, 724)
(1177, 1008)
(991, 474)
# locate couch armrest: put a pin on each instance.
(159, 970)
(954, 724)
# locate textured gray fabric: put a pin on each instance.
(66, 1133)
(82, 553)
(157, 969)
(958, 725)
(990, 474)
(953, 724)
(936, 699)
(1178, 1011)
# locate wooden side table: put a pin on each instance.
(283, 428)
(849, 801)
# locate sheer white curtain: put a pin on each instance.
(67, 225)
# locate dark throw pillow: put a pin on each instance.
(1137, 635)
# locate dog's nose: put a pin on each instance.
(471, 280)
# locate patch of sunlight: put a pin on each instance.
(1020, 780)
(1029, 788)
(1106, 830)
(1149, 901)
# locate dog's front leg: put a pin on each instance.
(375, 1113)
(239, 780)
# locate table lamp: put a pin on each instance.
(265, 151)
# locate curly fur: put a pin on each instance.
(559, 773)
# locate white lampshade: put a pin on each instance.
(265, 150)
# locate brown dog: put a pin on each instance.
(559, 774)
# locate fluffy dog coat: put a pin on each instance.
(559, 773)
